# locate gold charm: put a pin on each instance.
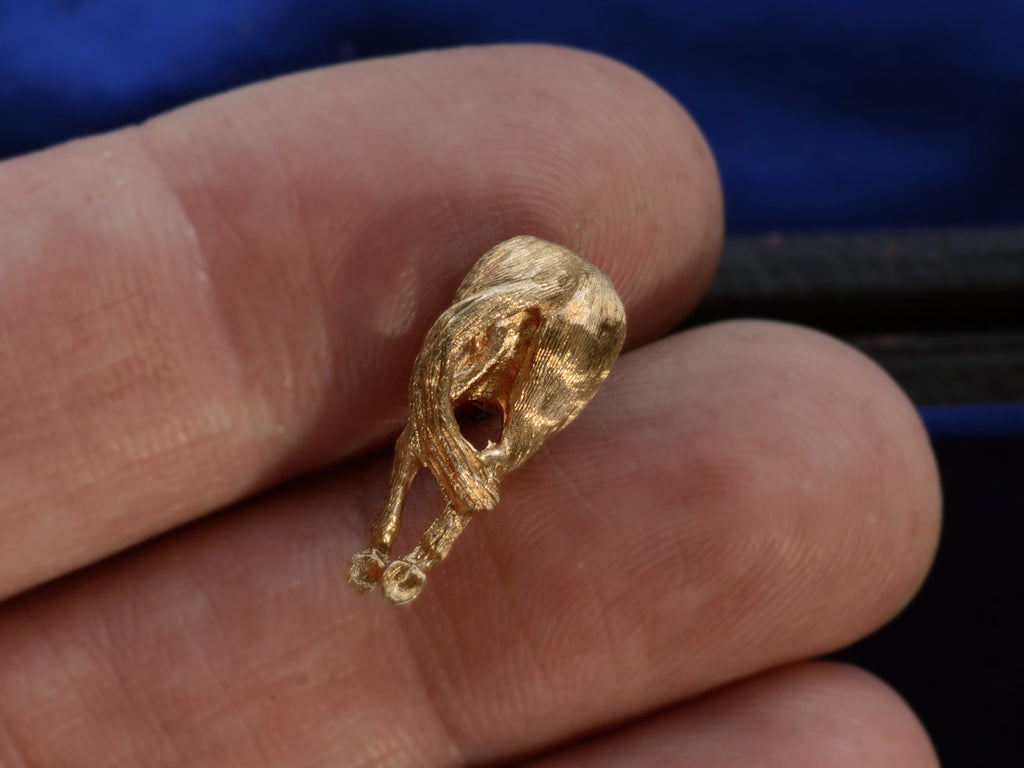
(531, 334)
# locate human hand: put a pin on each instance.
(221, 308)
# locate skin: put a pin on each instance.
(206, 328)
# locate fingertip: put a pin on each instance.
(469, 147)
(808, 483)
(664, 206)
(858, 716)
(810, 714)
(878, 422)
(844, 409)
(824, 713)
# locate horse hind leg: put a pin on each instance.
(367, 567)
(404, 579)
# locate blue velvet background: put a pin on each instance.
(822, 113)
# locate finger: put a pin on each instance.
(736, 498)
(809, 714)
(235, 292)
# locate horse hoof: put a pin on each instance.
(403, 581)
(366, 570)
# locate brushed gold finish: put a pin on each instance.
(530, 336)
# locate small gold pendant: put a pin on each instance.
(530, 336)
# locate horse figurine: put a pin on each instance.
(530, 336)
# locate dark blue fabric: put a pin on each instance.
(974, 421)
(822, 113)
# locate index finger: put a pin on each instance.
(233, 294)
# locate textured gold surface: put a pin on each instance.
(531, 334)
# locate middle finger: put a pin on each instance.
(737, 497)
